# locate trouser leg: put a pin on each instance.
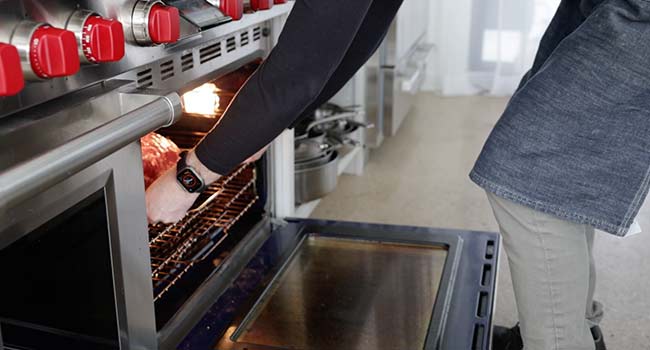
(549, 261)
(594, 312)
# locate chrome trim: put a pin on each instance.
(28, 178)
(21, 39)
(75, 24)
(140, 21)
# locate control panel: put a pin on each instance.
(48, 48)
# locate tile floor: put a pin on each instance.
(419, 177)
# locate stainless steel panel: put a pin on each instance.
(400, 86)
(374, 102)
(140, 58)
(120, 177)
(397, 103)
(407, 30)
(344, 294)
(36, 172)
(392, 81)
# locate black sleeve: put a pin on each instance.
(367, 41)
(312, 46)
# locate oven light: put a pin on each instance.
(202, 100)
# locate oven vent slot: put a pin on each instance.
(166, 70)
(244, 38)
(210, 52)
(187, 62)
(144, 78)
(257, 33)
(231, 44)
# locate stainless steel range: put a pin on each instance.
(82, 269)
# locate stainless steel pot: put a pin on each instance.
(309, 149)
(315, 181)
(313, 162)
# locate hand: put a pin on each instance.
(167, 201)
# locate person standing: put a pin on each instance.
(570, 154)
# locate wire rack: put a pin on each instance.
(176, 248)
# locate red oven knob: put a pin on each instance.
(11, 74)
(152, 22)
(258, 5)
(102, 40)
(53, 52)
(232, 8)
(164, 24)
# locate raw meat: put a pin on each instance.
(158, 154)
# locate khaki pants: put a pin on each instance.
(553, 276)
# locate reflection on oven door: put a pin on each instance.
(358, 295)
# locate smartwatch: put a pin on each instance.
(188, 177)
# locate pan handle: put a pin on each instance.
(347, 115)
(55, 165)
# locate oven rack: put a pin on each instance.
(175, 248)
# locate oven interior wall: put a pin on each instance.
(47, 299)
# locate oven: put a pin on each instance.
(70, 252)
(82, 269)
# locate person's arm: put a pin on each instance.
(314, 44)
(365, 43)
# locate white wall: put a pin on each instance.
(506, 34)
(449, 31)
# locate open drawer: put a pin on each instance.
(337, 285)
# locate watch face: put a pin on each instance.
(189, 180)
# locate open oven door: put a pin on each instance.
(338, 285)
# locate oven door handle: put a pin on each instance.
(39, 173)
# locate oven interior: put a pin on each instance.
(185, 254)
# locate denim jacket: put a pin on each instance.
(574, 140)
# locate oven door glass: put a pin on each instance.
(48, 300)
(366, 295)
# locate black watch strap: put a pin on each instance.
(188, 177)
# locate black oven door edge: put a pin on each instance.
(203, 298)
(464, 301)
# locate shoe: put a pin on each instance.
(598, 338)
(504, 338)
